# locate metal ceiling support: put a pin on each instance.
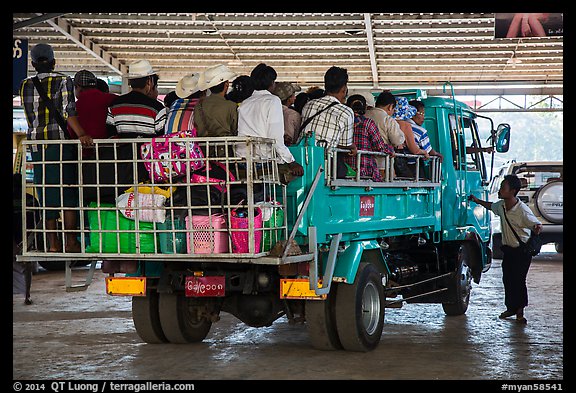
(370, 37)
(238, 60)
(35, 20)
(549, 103)
(88, 45)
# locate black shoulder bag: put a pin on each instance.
(534, 243)
(341, 168)
(61, 122)
(308, 120)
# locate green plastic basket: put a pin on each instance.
(108, 220)
(171, 242)
(272, 236)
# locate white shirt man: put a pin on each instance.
(260, 115)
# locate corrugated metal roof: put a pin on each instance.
(379, 50)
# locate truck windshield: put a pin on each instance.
(474, 161)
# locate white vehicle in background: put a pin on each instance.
(542, 190)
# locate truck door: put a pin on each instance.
(471, 171)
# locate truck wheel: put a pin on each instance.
(181, 321)
(460, 285)
(360, 310)
(320, 322)
(146, 318)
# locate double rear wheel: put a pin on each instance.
(170, 317)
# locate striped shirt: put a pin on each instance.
(42, 125)
(420, 136)
(180, 115)
(335, 125)
(135, 114)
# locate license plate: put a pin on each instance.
(126, 286)
(206, 286)
(298, 288)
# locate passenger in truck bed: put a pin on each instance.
(366, 137)
(138, 113)
(260, 115)
(215, 115)
(181, 112)
(58, 90)
(403, 112)
(332, 121)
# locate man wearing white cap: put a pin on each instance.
(214, 114)
(181, 112)
(138, 113)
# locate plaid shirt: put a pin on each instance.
(367, 137)
(335, 125)
(42, 124)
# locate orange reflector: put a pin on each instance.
(126, 286)
(298, 288)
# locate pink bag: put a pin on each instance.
(165, 156)
(218, 174)
(240, 239)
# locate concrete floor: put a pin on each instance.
(90, 335)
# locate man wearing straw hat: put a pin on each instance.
(214, 114)
(138, 113)
(181, 112)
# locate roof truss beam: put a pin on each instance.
(33, 21)
(88, 45)
(370, 38)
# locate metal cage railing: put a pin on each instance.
(208, 203)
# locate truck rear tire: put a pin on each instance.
(460, 284)
(146, 318)
(181, 322)
(360, 310)
(320, 322)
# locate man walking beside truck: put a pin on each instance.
(517, 217)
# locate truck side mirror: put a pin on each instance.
(502, 138)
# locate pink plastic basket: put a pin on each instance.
(240, 238)
(203, 239)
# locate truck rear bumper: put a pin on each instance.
(225, 258)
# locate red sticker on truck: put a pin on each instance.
(208, 286)
(367, 205)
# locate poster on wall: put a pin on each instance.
(19, 63)
(526, 25)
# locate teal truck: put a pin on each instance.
(330, 252)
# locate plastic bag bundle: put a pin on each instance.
(147, 207)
